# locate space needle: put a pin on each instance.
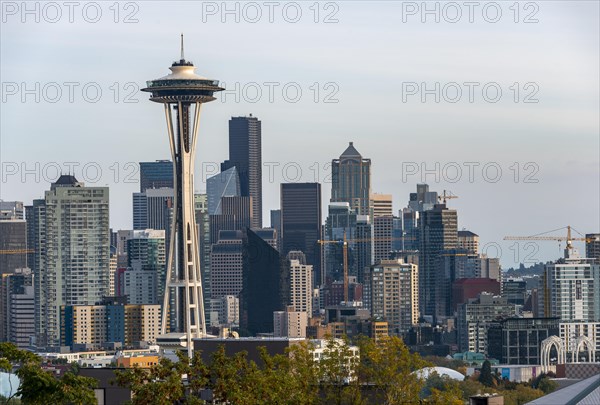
(182, 92)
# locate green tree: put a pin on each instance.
(485, 376)
(338, 373)
(38, 386)
(163, 382)
(545, 384)
(521, 395)
(389, 366)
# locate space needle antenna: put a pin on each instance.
(182, 58)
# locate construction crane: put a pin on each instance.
(344, 242)
(15, 251)
(446, 196)
(543, 236)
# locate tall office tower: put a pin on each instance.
(17, 307)
(266, 285)
(438, 232)
(144, 280)
(570, 288)
(224, 184)
(592, 246)
(395, 294)
(75, 270)
(410, 229)
(301, 286)
(150, 208)
(340, 223)
(383, 228)
(226, 264)
(182, 93)
(397, 234)
(489, 267)
(469, 241)
(381, 205)
(236, 215)
(351, 180)
(245, 143)
(363, 247)
(422, 200)
(475, 317)
(301, 223)
(11, 210)
(36, 256)
(158, 174)
(13, 237)
(203, 225)
(276, 224)
(268, 235)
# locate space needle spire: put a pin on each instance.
(182, 93)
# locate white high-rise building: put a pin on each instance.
(571, 288)
(301, 290)
(77, 246)
(394, 287)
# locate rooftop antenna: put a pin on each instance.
(182, 58)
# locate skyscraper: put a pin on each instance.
(301, 287)
(77, 247)
(17, 307)
(182, 93)
(301, 222)
(592, 246)
(438, 232)
(150, 208)
(224, 184)
(351, 180)
(226, 265)
(236, 215)
(13, 237)
(158, 174)
(570, 288)
(395, 294)
(245, 153)
(265, 285)
(469, 241)
(144, 280)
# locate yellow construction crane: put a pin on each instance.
(446, 196)
(15, 251)
(543, 236)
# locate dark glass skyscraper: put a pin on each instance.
(351, 180)
(245, 154)
(301, 223)
(157, 174)
(438, 232)
(266, 284)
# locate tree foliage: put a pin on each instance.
(485, 376)
(38, 386)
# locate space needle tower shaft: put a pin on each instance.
(182, 93)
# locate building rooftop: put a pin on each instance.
(585, 392)
(351, 152)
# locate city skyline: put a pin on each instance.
(564, 73)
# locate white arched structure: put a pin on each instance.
(547, 347)
(584, 342)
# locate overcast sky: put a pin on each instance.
(367, 72)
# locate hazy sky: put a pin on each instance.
(370, 62)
